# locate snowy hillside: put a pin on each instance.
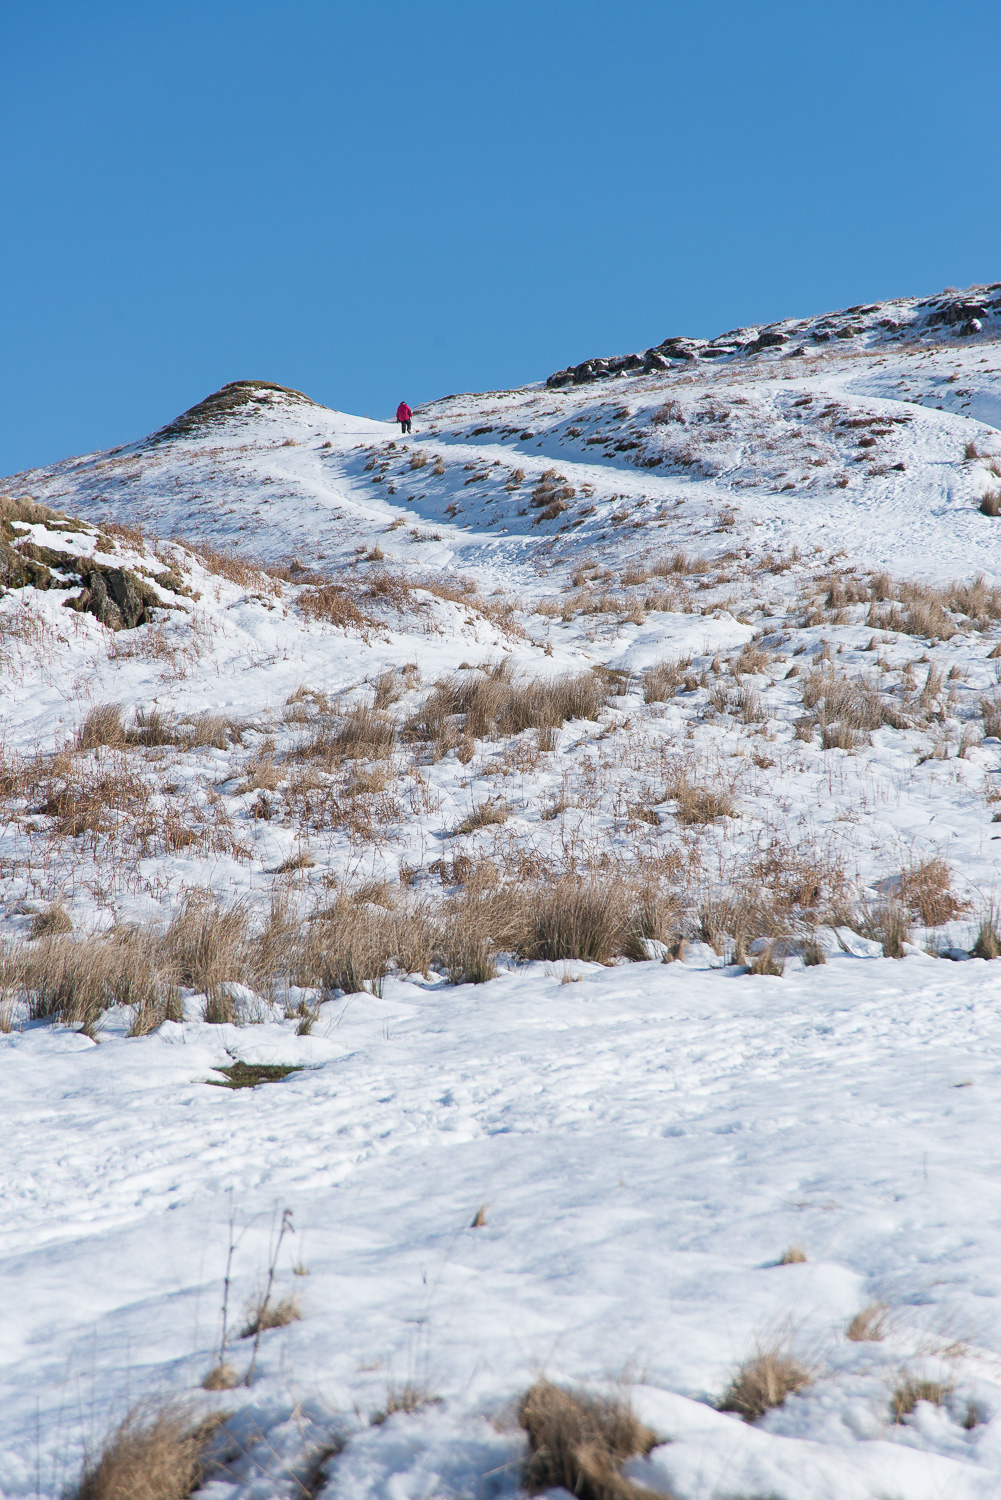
(577, 805)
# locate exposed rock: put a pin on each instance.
(767, 340)
(962, 314)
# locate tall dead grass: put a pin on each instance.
(847, 709)
(578, 1442)
(660, 682)
(926, 891)
(492, 703)
(75, 979)
(156, 1453)
(207, 946)
(764, 1381)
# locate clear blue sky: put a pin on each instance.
(375, 201)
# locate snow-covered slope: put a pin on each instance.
(710, 635)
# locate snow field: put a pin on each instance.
(647, 1141)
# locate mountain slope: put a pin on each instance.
(592, 798)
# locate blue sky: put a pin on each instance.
(376, 201)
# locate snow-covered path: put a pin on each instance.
(778, 449)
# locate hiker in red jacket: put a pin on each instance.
(404, 416)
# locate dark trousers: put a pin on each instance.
(404, 426)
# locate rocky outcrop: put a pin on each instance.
(958, 314)
(116, 596)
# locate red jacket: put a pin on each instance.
(403, 412)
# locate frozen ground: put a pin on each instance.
(648, 1139)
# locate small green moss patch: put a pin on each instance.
(243, 1075)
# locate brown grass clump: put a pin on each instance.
(578, 1443)
(988, 943)
(364, 734)
(661, 681)
(990, 709)
(572, 919)
(978, 600)
(155, 1454)
(680, 564)
(813, 953)
(102, 726)
(907, 1395)
(212, 731)
(266, 1314)
(762, 1382)
(990, 503)
(407, 1399)
(492, 703)
(551, 495)
(108, 799)
(153, 727)
(332, 604)
(868, 1325)
(697, 805)
(246, 573)
(848, 710)
(352, 947)
(769, 961)
(794, 1256)
(485, 815)
(76, 979)
(208, 947)
(926, 891)
(54, 921)
(888, 925)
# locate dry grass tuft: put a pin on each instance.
(762, 1382)
(661, 681)
(102, 726)
(698, 805)
(407, 1399)
(352, 947)
(813, 953)
(988, 943)
(868, 1325)
(77, 979)
(572, 919)
(266, 1314)
(578, 1443)
(794, 1256)
(208, 946)
(888, 925)
(491, 703)
(926, 892)
(221, 1377)
(769, 961)
(847, 710)
(155, 1454)
(54, 921)
(364, 734)
(332, 604)
(907, 1395)
(485, 815)
(990, 504)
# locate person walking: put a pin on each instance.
(404, 416)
